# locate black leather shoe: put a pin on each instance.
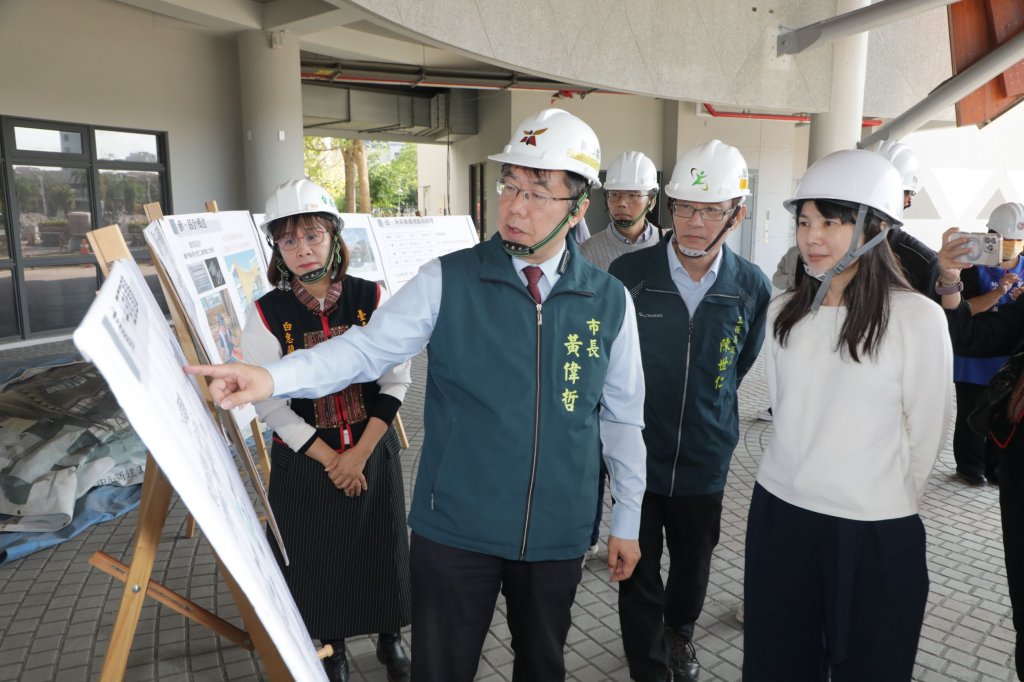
(971, 479)
(682, 657)
(392, 654)
(336, 666)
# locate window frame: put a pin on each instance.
(17, 262)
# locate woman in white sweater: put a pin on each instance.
(859, 377)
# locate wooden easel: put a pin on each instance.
(108, 245)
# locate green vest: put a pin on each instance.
(511, 454)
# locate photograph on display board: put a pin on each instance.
(216, 276)
(224, 326)
(247, 273)
(361, 257)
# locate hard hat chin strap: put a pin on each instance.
(330, 267)
(521, 250)
(700, 253)
(852, 254)
(626, 224)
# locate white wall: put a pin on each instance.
(104, 63)
(965, 173)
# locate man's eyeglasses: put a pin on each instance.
(532, 199)
(309, 238)
(708, 214)
(631, 197)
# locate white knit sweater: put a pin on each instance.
(858, 440)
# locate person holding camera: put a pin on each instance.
(986, 287)
(859, 368)
(999, 409)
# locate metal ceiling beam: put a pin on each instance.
(951, 91)
(851, 23)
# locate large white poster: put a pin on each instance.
(218, 268)
(124, 333)
(390, 251)
(406, 243)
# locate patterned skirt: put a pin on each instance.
(348, 556)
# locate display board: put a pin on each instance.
(124, 333)
(390, 251)
(403, 244)
(217, 264)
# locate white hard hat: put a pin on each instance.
(554, 140)
(631, 171)
(901, 156)
(295, 197)
(709, 172)
(1008, 220)
(853, 176)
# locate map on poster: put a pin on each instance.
(124, 333)
(218, 267)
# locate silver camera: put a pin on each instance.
(985, 248)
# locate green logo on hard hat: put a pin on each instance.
(699, 179)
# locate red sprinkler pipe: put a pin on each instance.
(867, 122)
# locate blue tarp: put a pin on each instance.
(98, 505)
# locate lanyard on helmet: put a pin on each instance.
(699, 253)
(851, 254)
(521, 250)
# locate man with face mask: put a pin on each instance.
(701, 317)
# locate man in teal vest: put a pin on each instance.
(534, 372)
(701, 312)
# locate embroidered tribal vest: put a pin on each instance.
(340, 417)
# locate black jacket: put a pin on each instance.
(993, 333)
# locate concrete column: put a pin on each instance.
(271, 112)
(670, 135)
(840, 127)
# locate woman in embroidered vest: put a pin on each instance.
(336, 478)
(859, 369)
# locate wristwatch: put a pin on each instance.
(949, 288)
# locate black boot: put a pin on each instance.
(336, 665)
(682, 657)
(392, 654)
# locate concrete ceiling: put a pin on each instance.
(718, 51)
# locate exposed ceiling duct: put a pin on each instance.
(356, 72)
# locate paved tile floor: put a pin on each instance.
(56, 612)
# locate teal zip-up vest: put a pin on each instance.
(510, 459)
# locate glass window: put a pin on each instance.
(122, 196)
(58, 296)
(113, 145)
(47, 140)
(53, 209)
(8, 320)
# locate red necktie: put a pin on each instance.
(533, 275)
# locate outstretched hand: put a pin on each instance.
(235, 384)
